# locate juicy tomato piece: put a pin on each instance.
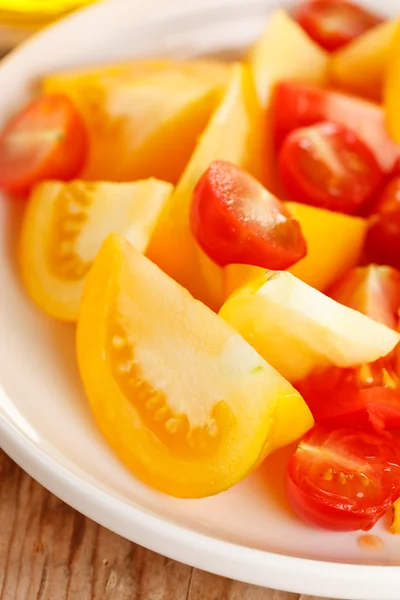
(395, 525)
(343, 480)
(334, 23)
(328, 166)
(46, 140)
(367, 397)
(383, 238)
(373, 290)
(298, 105)
(236, 220)
(192, 435)
(64, 226)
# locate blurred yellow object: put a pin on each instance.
(21, 18)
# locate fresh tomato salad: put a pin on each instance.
(226, 237)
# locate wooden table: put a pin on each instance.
(48, 551)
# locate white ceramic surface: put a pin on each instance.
(247, 533)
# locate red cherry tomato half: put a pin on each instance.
(236, 220)
(343, 480)
(46, 140)
(297, 105)
(372, 290)
(326, 165)
(366, 397)
(334, 23)
(383, 239)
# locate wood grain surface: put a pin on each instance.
(48, 551)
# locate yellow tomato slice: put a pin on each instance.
(184, 401)
(360, 66)
(143, 119)
(233, 134)
(392, 86)
(334, 245)
(395, 526)
(65, 225)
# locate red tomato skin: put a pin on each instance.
(352, 21)
(345, 192)
(382, 244)
(297, 105)
(62, 160)
(331, 510)
(228, 235)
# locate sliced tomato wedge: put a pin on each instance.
(366, 397)
(236, 220)
(373, 290)
(328, 166)
(383, 238)
(46, 140)
(297, 105)
(343, 480)
(334, 23)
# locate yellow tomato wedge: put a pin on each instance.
(233, 134)
(183, 400)
(360, 66)
(392, 86)
(65, 225)
(297, 329)
(284, 52)
(143, 120)
(334, 245)
(395, 525)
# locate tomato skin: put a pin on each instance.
(382, 244)
(327, 166)
(46, 140)
(373, 290)
(343, 480)
(236, 220)
(334, 23)
(297, 105)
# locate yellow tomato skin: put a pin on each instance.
(334, 245)
(392, 86)
(360, 66)
(182, 399)
(395, 525)
(143, 118)
(233, 134)
(64, 226)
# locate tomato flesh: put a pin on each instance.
(297, 105)
(328, 166)
(334, 23)
(373, 290)
(366, 397)
(46, 140)
(236, 220)
(343, 480)
(383, 238)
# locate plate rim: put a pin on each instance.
(268, 569)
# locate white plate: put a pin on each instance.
(246, 533)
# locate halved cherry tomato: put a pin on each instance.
(367, 397)
(334, 23)
(298, 105)
(46, 140)
(383, 238)
(373, 290)
(236, 220)
(343, 480)
(328, 166)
